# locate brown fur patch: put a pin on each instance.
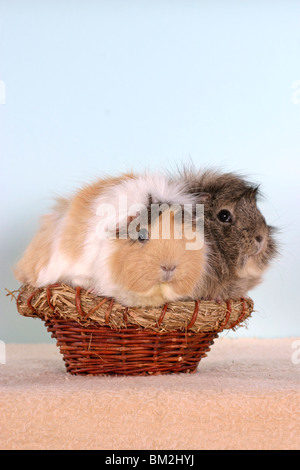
(81, 212)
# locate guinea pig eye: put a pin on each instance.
(225, 216)
(143, 236)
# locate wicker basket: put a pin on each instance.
(96, 335)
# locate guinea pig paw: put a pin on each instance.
(91, 290)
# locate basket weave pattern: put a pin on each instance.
(96, 335)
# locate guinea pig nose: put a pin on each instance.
(259, 238)
(168, 268)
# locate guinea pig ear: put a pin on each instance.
(204, 197)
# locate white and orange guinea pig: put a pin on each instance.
(134, 238)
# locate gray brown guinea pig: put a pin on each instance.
(241, 244)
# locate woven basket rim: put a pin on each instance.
(64, 301)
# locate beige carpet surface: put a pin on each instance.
(245, 395)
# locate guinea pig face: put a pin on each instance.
(243, 235)
(155, 270)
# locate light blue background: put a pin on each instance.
(107, 86)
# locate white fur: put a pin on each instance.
(61, 268)
(136, 192)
